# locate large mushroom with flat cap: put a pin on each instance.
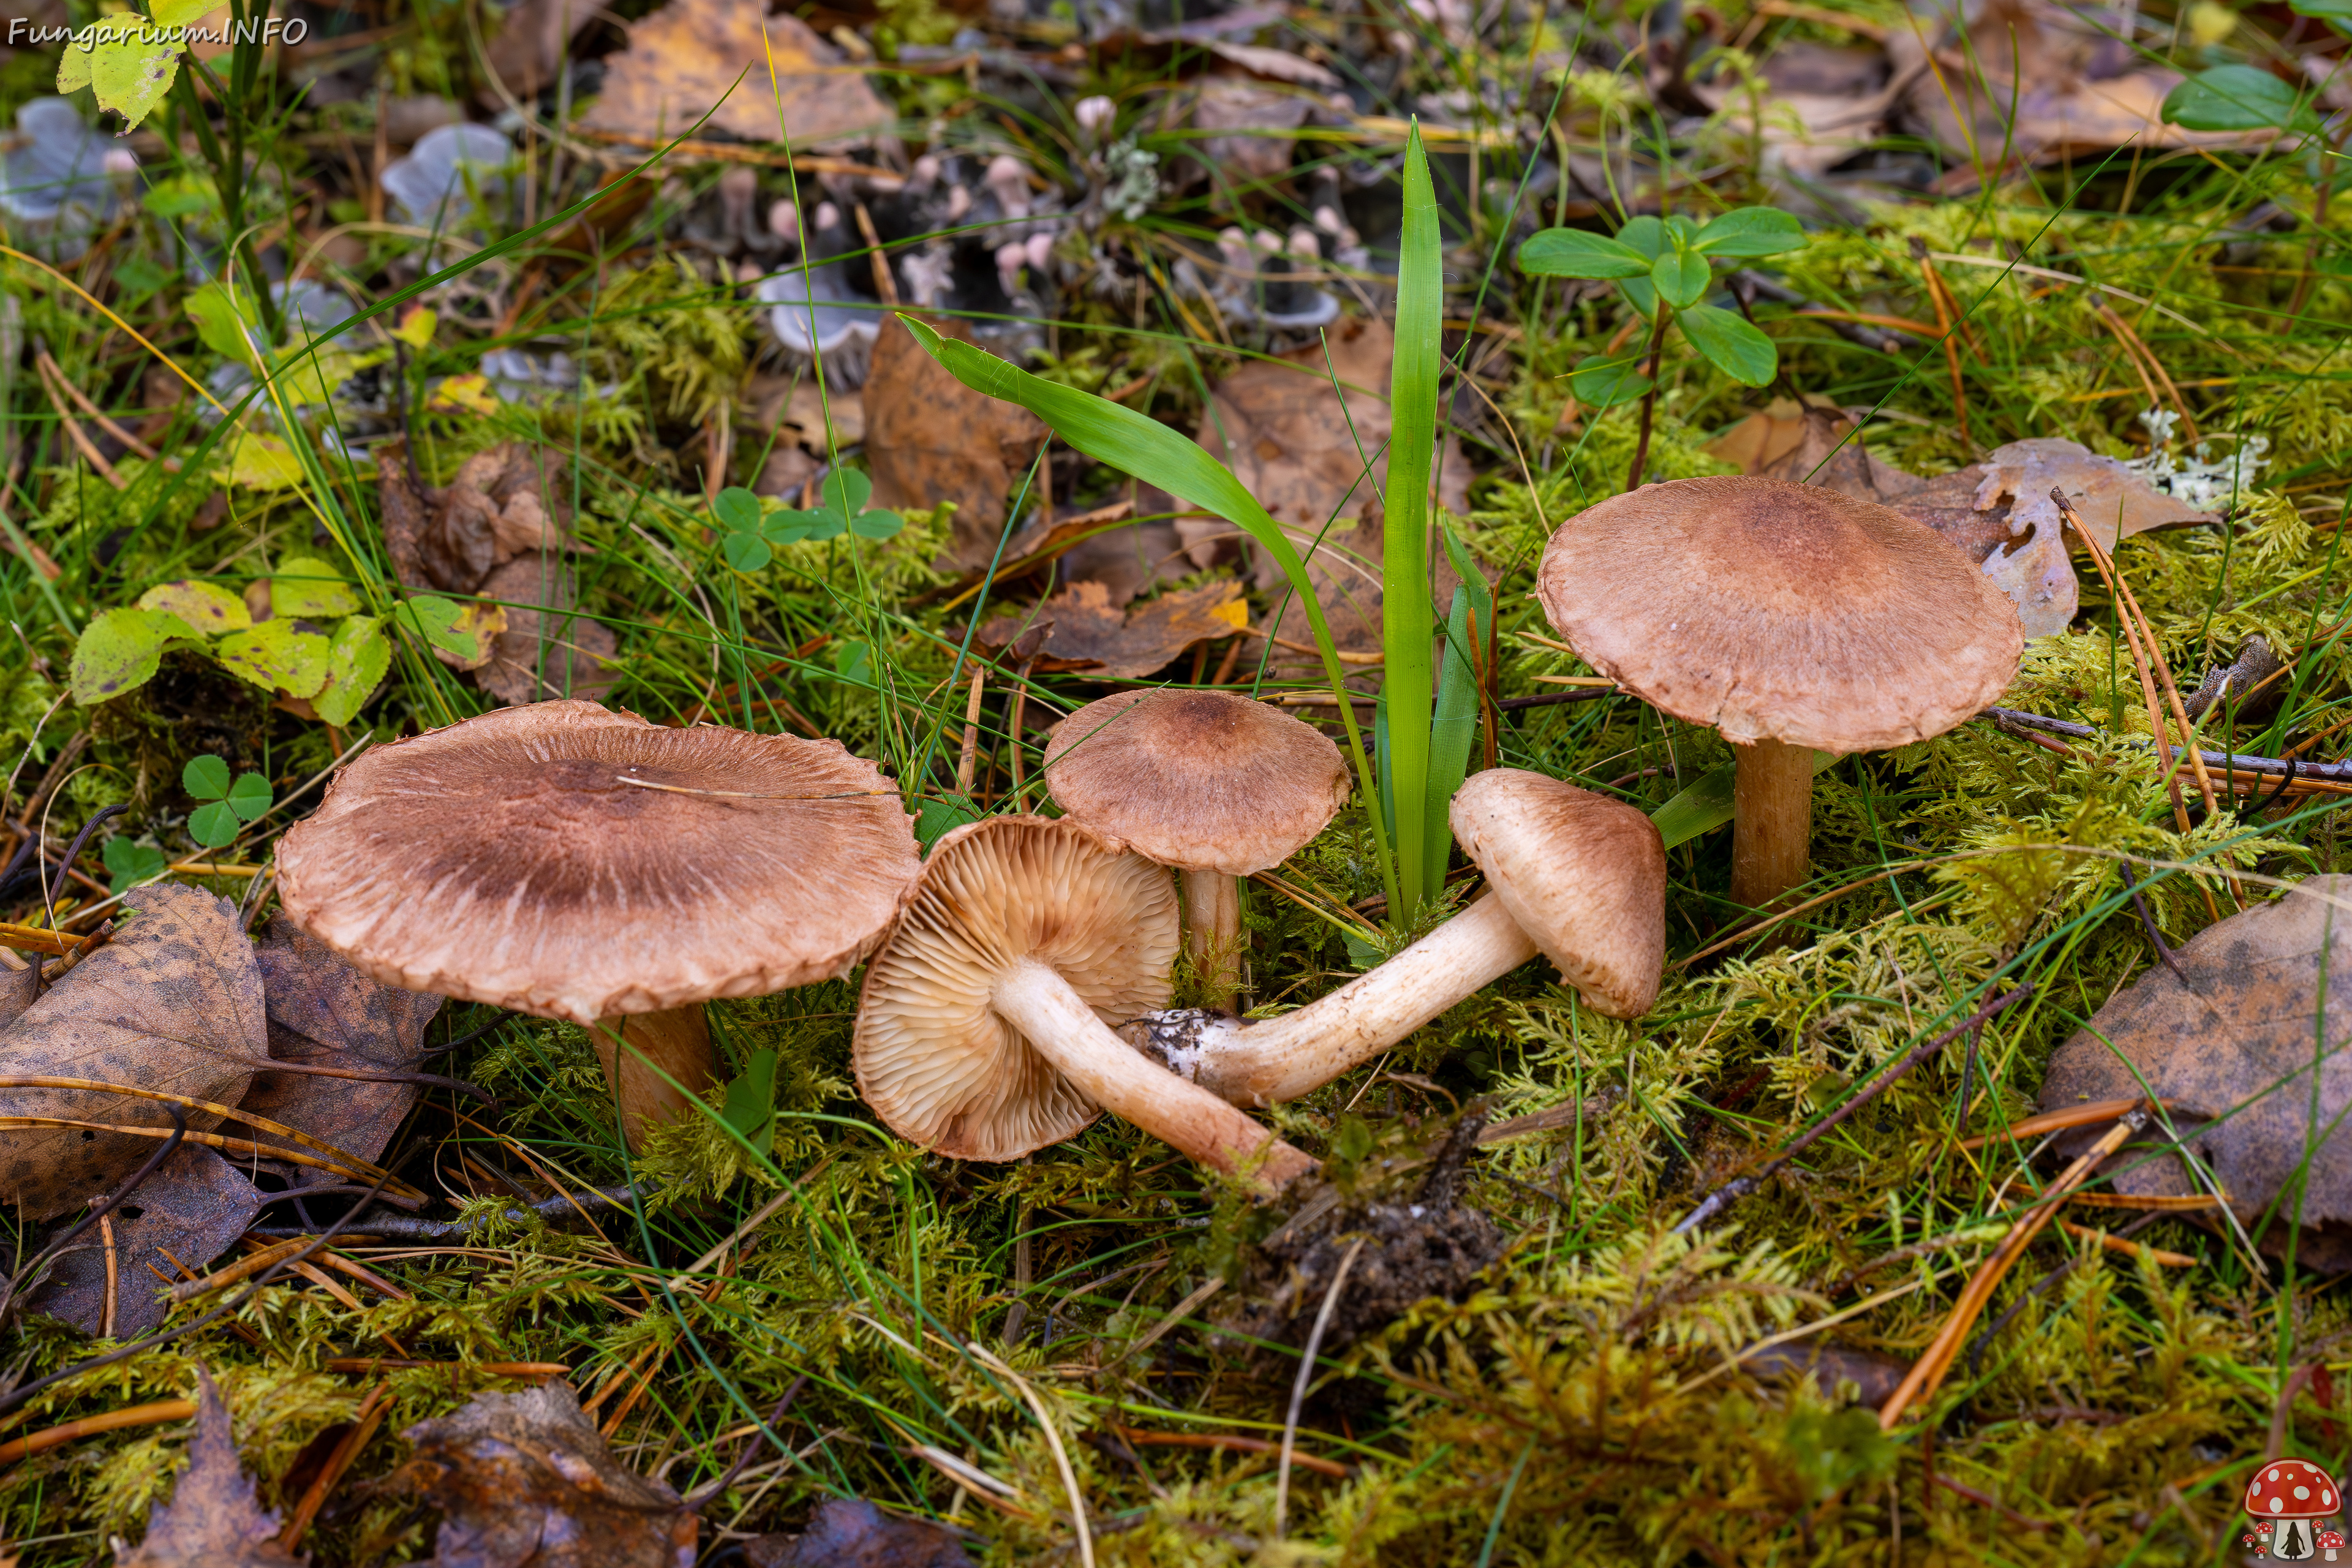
(983, 1031)
(1573, 875)
(1791, 618)
(567, 861)
(1213, 784)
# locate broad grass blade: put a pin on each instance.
(1406, 628)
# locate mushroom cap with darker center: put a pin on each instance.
(1204, 780)
(1584, 876)
(931, 1055)
(1779, 611)
(506, 859)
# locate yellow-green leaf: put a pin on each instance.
(307, 586)
(73, 70)
(223, 321)
(179, 13)
(357, 656)
(131, 77)
(208, 606)
(276, 656)
(119, 652)
(264, 463)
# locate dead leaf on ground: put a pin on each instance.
(930, 438)
(1874, 1378)
(1089, 632)
(2036, 80)
(528, 52)
(192, 1208)
(2244, 687)
(2233, 1052)
(212, 1521)
(1253, 129)
(687, 56)
(324, 1013)
(172, 1002)
(1820, 104)
(794, 408)
(2114, 501)
(524, 1478)
(20, 988)
(545, 651)
(850, 1532)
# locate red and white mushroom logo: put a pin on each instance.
(2291, 1494)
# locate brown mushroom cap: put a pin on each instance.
(932, 1057)
(1779, 611)
(1584, 876)
(1204, 780)
(503, 860)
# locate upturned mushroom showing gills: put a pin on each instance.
(1213, 784)
(1571, 874)
(571, 862)
(983, 1031)
(1792, 619)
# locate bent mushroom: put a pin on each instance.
(1213, 784)
(983, 1031)
(1792, 619)
(1574, 875)
(571, 862)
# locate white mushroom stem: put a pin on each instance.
(1060, 1027)
(1276, 1059)
(1212, 933)
(1772, 822)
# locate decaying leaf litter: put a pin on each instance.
(497, 1148)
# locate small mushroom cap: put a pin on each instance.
(1584, 876)
(2291, 1488)
(503, 860)
(1779, 611)
(932, 1057)
(1204, 780)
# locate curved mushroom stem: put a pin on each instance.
(1282, 1058)
(677, 1043)
(1772, 824)
(1062, 1028)
(1212, 933)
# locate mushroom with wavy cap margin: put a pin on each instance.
(565, 860)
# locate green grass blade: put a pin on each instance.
(1153, 453)
(1452, 733)
(1406, 629)
(1706, 805)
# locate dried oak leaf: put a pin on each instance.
(930, 438)
(524, 1478)
(686, 56)
(2114, 501)
(546, 650)
(190, 1209)
(850, 1532)
(324, 1013)
(1089, 632)
(212, 1521)
(1290, 438)
(2232, 1051)
(172, 1002)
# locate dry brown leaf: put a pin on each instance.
(1254, 126)
(324, 1013)
(212, 1521)
(930, 438)
(1874, 1377)
(1810, 441)
(192, 1208)
(527, 54)
(524, 1478)
(1287, 435)
(2114, 501)
(544, 651)
(794, 407)
(850, 1532)
(684, 57)
(1089, 632)
(2233, 1052)
(1820, 104)
(172, 1002)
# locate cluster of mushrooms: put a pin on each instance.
(567, 861)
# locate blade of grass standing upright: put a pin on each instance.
(1406, 628)
(1452, 733)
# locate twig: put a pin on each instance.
(1305, 1376)
(2232, 761)
(91, 1426)
(1234, 1442)
(1738, 1187)
(2155, 937)
(406, 1227)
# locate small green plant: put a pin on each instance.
(315, 645)
(1664, 267)
(749, 1112)
(229, 805)
(751, 528)
(130, 863)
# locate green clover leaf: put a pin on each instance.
(131, 863)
